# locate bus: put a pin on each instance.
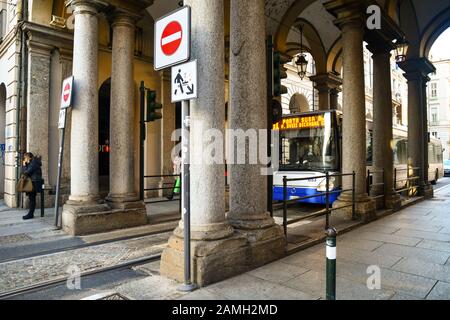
(310, 145)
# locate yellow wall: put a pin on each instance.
(40, 11)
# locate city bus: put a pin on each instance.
(310, 145)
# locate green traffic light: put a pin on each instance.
(152, 106)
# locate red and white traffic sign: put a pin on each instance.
(66, 96)
(172, 38)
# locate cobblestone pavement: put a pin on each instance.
(410, 248)
(24, 272)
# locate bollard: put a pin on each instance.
(331, 264)
(42, 199)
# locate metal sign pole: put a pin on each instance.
(185, 198)
(60, 162)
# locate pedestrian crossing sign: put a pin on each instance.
(184, 81)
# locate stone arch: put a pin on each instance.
(432, 31)
(391, 9)
(410, 26)
(298, 103)
(334, 57)
(3, 97)
(312, 36)
(289, 19)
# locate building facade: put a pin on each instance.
(439, 103)
(107, 46)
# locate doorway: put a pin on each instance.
(104, 103)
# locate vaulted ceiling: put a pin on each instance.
(421, 21)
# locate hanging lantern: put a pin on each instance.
(301, 61)
(401, 49)
(301, 64)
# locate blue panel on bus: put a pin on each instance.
(302, 192)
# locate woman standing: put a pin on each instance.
(32, 168)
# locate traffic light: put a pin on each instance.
(153, 106)
(277, 111)
(279, 72)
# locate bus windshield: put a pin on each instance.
(308, 143)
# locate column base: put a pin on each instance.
(80, 218)
(427, 191)
(364, 207)
(265, 238)
(211, 260)
(250, 221)
(393, 201)
(216, 260)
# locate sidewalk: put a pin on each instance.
(411, 248)
(19, 238)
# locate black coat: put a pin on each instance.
(34, 171)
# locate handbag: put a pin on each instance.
(25, 184)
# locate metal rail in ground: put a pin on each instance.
(85, 245)
(59, 280)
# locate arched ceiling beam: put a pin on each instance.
(433, 30)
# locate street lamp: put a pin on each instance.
(301, 61)
(401, 48)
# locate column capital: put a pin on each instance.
(326, 81)
(37, 47)
(348, 13)
(66, 54)
(123, 18)
(379, 47)
(336, 90)
(417, 69)
(86, 6)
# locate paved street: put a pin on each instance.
(411, 248)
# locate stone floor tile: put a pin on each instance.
(413, 252)
(440, 292)
(423, 234)
(247, 287)
(396, 239)
(313, 282)
(435, 245)
(424, 269)
(278, 272)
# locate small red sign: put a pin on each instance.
(171, 38)
(66, 93)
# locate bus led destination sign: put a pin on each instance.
(306, 122)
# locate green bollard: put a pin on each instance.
(331, 263)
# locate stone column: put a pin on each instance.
(216, 254)
(334, 95)
(167, 128)
(382, 124)
(354, 120)
(38, 102)
(84, 197)
(416, 72)
(248, 115)
(122, 185)
(66, 57)
(324, 84)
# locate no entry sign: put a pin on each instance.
(66, 96)
(172, 38)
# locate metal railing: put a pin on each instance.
(327, 211)
(163, 188)
(370, 184)
(409, 180)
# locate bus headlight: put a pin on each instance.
(323, 185)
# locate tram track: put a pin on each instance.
(84, 245)
(60, 280)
